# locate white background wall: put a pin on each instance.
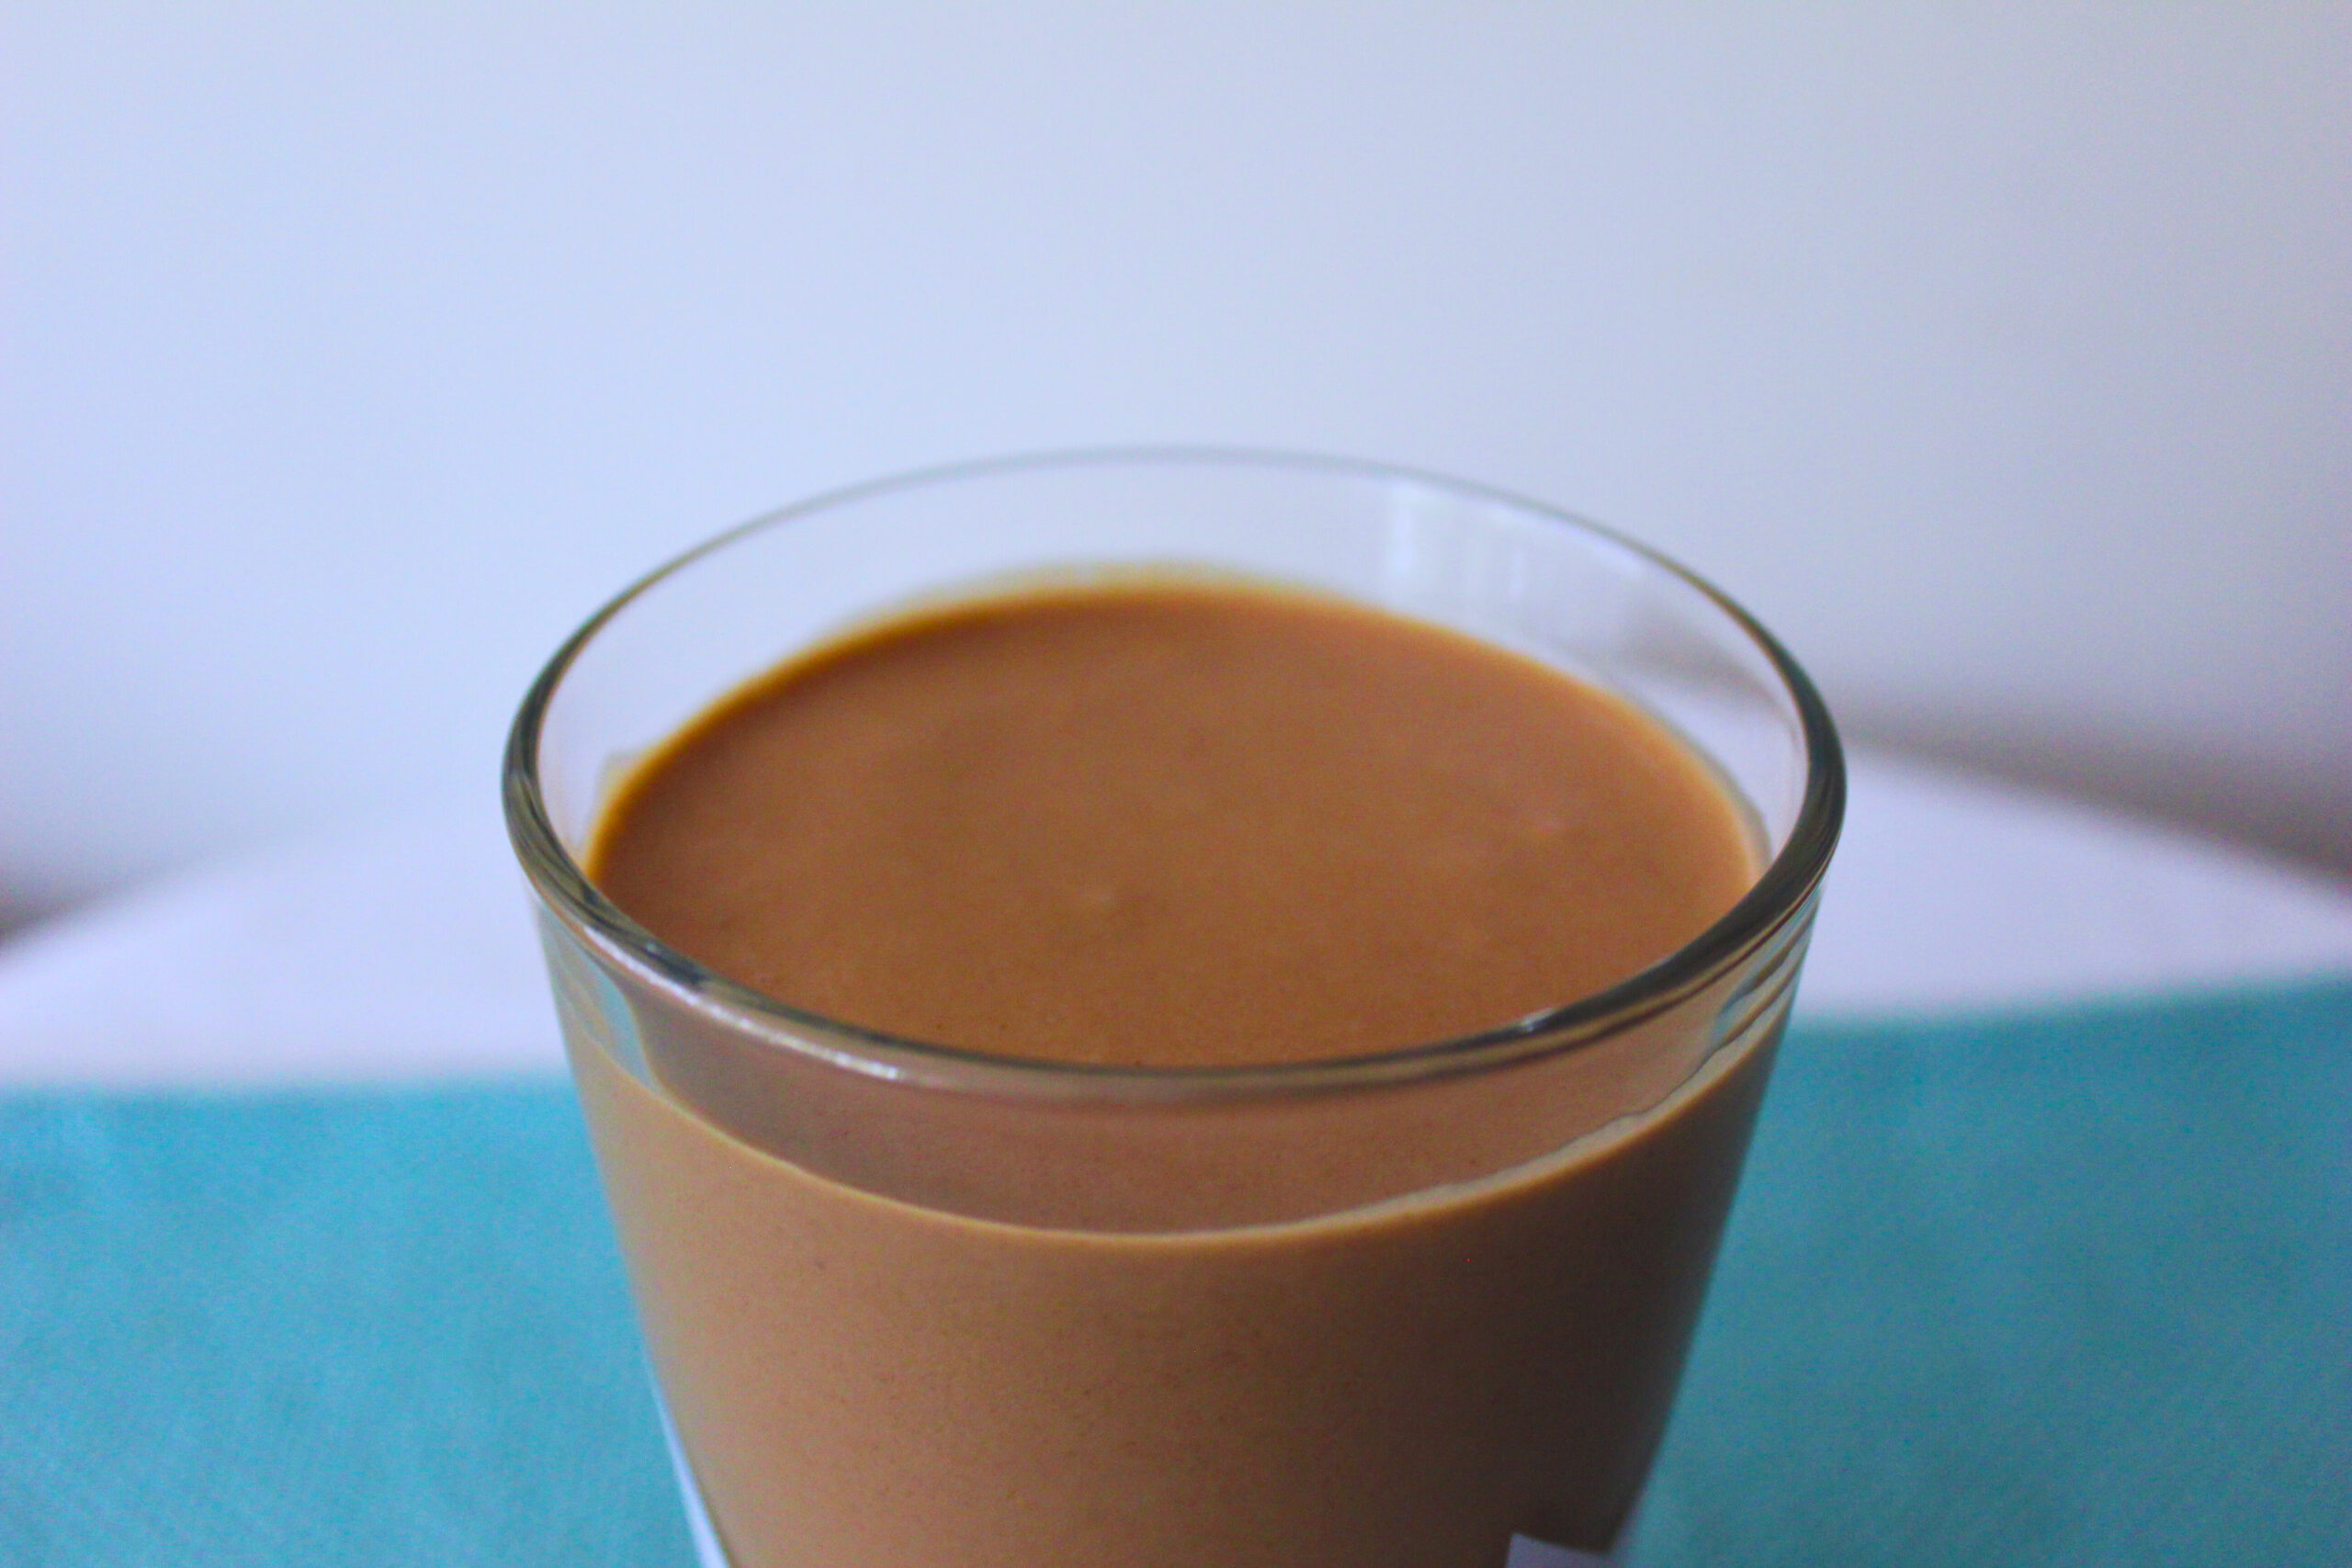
(1999, 355)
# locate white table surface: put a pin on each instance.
(405, 950)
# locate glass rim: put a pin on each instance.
(1776, 896)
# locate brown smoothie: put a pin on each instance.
(1190, 827)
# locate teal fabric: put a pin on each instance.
(2058, 1289)
(2055, 1289)
(318, 1331)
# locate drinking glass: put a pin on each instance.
(912, 1303)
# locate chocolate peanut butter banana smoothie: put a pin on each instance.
(1170, 1009)
(1175, 827)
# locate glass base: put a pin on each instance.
(709, 1553)
(1524, 1552)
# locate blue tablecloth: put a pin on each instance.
(2067, 1288)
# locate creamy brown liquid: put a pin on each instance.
(1172, 825)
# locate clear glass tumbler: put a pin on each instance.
(907, 1304)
